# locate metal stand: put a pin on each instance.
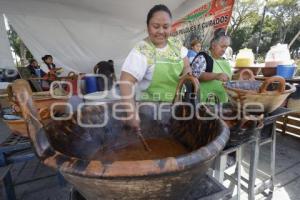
(255, 143)
(221, 165)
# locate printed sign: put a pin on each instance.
(202, 22)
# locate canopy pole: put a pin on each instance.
(260, 28)
(294, 39)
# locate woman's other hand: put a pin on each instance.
(186, 68)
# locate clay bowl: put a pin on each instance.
(244, 74)
(268, 71)
(110, 162)
(267, 95)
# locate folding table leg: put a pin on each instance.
(239, 168)
(273, 153)
(220, 166)
(253, 167)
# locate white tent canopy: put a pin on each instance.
(6, 60)
(80, 33)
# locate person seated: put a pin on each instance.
(49, 67)
(106, 69)
(36, 72)
(35, 69)
(195, 49)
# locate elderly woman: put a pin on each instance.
(214, 68)
(155, 63)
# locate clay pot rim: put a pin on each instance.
(140, 168)
(15, 120)
(254, 92)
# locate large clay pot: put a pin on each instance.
(91, 159)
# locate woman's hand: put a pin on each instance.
(133, 122)
(222, 77)
(186, 71)
(127, 92)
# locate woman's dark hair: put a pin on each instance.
(45, 57)
(158, 8)
(32, 61)
(218, 34)
(106, 69)
(50, 66)
(111, 62)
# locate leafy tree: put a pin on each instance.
(18, 46)
(282, 22)
(244, 13)
(285, 14)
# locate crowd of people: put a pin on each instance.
(47, 67)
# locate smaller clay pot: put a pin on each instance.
(268, 71)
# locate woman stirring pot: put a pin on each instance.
(155, 64)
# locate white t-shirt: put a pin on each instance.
(44, 68)
(136, 65)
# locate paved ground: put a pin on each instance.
(47, 186)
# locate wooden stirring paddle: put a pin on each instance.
(138, 131)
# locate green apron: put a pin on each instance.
(165, 76)
(215, 87)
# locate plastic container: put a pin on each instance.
(90, 84)
(286, 71)
(278, 55)
(245, 58)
